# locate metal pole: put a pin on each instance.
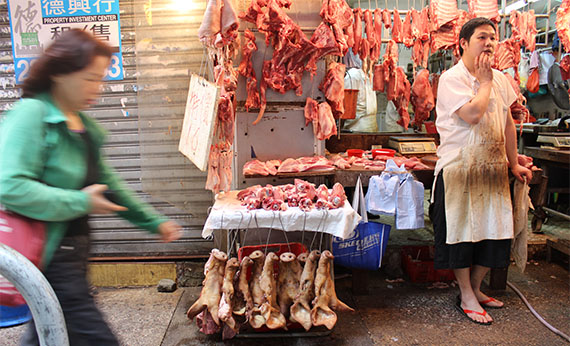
(40, 297)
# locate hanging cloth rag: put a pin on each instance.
(521, 204)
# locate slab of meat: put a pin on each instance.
(407, 37)
(311, 111)
(243, 302)
(386, 18)
(339, 16)
(378, 79)
(443, 38)
(206, 323)
(301, 308)
(422, 98)
(326, 300)
(274, 319)
(507, 54)
(527, 23)
(397, 28)
(326, 123)
(369, 27)
(399, 90)
(514, 19)
(518, 108)
(246, 69)
(288, 281)
(291, 166)
(563, 23)
(254, 167)
(485, 8)
(212, 287)
(333, 88)
(256, 319)
(357, 29)
(378, 25)
(229, 21)
(420, 53)
(442, 12)
(225, 310)
(324, 40)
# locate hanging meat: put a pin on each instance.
(527, 24)
(256, 319)
(326, 301)
(212, 287)
(397, 27)
(301, 308)
(563, 23)
(326, 125)
(333, 87)
(339, 16)
(378, 26)
(378, 79)
(274, 319)
(246, 69)
(442, 12)
(407, 37)
(242, 302)
(225, 312)
(485, 8)
(422, 98)
(369, 27)
(386, 18)
(288, 281)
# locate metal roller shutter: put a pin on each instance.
(143, 114)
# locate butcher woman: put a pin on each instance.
(471, 209)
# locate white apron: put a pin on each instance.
(477, 195)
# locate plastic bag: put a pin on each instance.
(366, 245)
(532, 84)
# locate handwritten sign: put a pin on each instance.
(34, 24)
(199, 121)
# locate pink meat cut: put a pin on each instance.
(484, 8)
(246, 69)
(357, 29)
(333, 87)
(407, 37)
(397, 28)
(422, 98)
(442, 12)
(326, 125)
(563, 23)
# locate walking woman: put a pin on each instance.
(52, 169)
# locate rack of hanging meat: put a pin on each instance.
(273, 288)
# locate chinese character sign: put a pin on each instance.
(35, 23)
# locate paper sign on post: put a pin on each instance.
(199, 121)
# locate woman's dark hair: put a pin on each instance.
(73, 51)
(468, 29)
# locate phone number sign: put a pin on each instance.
(34, 24)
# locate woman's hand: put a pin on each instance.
(519, 172)
(169, 231)
(100, 204)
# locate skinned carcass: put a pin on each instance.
(274, 319)
(326, 300)
(256, 319)
(225, 308)
(211, 292)
(288, 281)
(301, 308)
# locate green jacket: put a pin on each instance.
(43, 167)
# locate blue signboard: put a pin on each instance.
(35, 23)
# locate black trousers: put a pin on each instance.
(486, 253)
(67, 274)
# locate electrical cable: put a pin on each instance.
(542, 320)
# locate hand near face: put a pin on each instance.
(483, 71)
(169, 231)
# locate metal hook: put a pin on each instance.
(269, 233)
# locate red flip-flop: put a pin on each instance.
(485, 303)
(465, 312)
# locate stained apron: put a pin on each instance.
(477, 195)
